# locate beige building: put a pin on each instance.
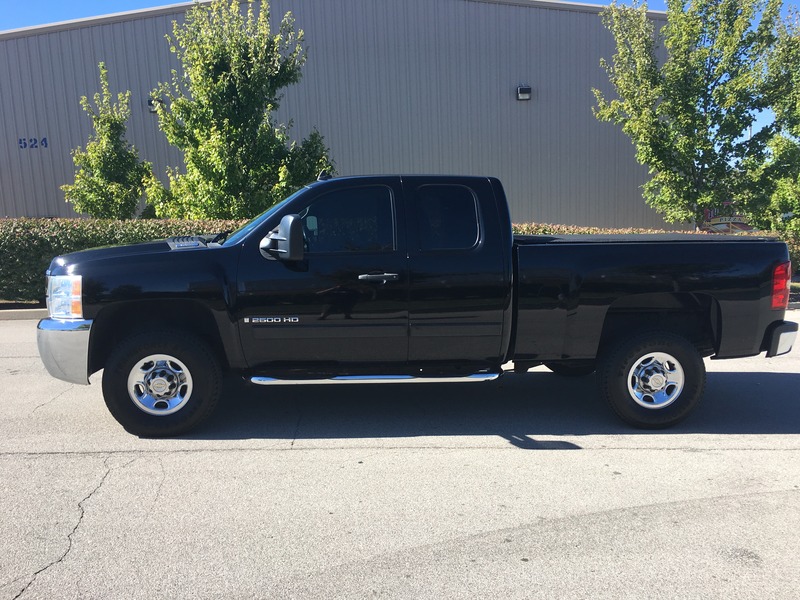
(395, 86)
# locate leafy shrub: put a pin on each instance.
(550, 229)
(219, 112)
(792, 239)
(110, 179)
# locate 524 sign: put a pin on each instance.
(32, 143)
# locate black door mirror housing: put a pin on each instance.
(285, 242)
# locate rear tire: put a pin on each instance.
(652, 380)
(161, 383)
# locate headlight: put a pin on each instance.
(64, 296)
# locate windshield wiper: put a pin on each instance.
(221, 237)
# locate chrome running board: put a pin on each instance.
(350, 379)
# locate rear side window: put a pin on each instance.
(447, 217)
(351, 220)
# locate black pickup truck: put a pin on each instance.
(402, 278)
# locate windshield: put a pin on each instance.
(237, 236)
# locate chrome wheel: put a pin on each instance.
(159, 384)
(656, 380)
(652, 379)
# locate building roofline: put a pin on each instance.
(98, 20)
(561, 5)
(182, 7)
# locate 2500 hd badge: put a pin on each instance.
(260, 320)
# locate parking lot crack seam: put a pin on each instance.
(53, 399)
(297, 425)
(81, 514)
(160, 483)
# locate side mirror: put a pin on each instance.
(285, 242)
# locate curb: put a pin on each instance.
(23, 314)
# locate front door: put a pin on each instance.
(346, 303)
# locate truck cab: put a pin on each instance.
(395, 273)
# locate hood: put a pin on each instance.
(178, 244)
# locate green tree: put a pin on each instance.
(691, 116)
(218, 112)
(783, 213)
(109, 180)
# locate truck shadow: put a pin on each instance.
(518, 408)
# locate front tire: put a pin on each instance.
(652, 380)
(160, 384)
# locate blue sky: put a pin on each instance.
(15, 14)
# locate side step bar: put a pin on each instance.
(350, 379)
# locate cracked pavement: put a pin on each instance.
(82, 512)
(523, 488)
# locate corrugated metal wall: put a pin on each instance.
(414, 86)
(42, 77)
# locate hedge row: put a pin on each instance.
(28, 245)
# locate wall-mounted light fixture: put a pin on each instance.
(152, 104)
(524, 92)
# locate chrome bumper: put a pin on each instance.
(64, 348)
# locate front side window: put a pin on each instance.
(447, 217)
(351, 220)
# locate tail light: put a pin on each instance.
(781, 282)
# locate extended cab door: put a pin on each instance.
(460, 269)
(347, 301)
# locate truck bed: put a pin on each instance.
(569, 284)
(637, 238)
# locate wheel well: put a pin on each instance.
(116, 322)
(694, 317)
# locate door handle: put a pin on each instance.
(379, 277)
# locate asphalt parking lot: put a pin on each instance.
(523, 488)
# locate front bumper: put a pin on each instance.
(64, 348)
(780, 338)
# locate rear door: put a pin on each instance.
(460, 276)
